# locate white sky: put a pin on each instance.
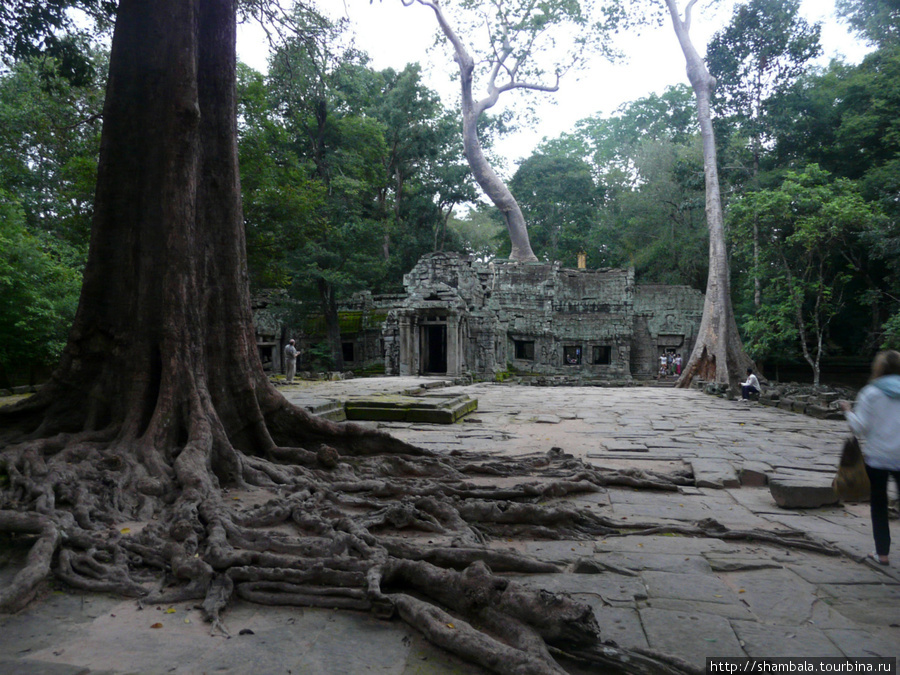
(394, 35)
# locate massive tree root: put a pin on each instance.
(354, 519)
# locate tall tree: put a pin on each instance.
(160, 399)
(878, 21)
(759, 54)
(518, 34)
(718, 353)
(560, 200)
(808, 226)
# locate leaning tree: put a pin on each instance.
(528, 46)
(160, 406)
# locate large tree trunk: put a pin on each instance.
(485, 175)
(718, 354)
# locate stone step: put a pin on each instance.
(433, 409)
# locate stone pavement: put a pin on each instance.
(691, 597)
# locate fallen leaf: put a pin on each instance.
(718, 596)
(171, 610)
(156, 625)
(742, 591)
(125, 530)
(187, 620)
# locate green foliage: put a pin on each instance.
(559, 199)
(481, 232)
(39, 287)
(891, 333)
(878, 21)
(647, 163)
(49, 144)
(763, 50)
(37, 29)
(806, 227)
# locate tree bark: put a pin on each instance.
(472, 110)
(718, 354)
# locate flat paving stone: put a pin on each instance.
(862, 643)
(776, 596)
(692, 636)
(620, 624)
(726, 610)
(823, 570)
(659, 562)
(875, 604)
(763, 640)
(694, 587)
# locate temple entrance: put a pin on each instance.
(434, 349)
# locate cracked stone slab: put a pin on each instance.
(658, 562)
(778, 596)
(547, 419)
(838, 571)
(727, 610)
(779, 641)
(713, 473)
(678, 633)
(754, 474)
(611, 588)
(694, 587)
(720, 563)
(876, 604)
(613, 445)
(883, 642)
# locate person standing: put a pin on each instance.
(290, 361)
(678, 364)
(875, 418)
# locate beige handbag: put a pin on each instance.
(851, 482)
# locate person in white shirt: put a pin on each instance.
(876, 419)
(751, 386)
(290, 362)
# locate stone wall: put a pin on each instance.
(536, 318)
(666, 318)
(463, 317)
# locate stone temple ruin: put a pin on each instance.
(463, 317)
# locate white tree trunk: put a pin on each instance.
(718, 353)
(487, 178)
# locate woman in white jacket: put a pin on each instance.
(876, 418)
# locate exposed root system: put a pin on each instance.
(354, 519)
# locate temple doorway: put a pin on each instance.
(434, 349)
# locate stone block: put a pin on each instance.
(429, 409)
(802, 491)
(786, 404)
(817, 411)
(754, 474)
(713, 473)
(798, 406)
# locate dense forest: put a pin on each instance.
(349, 174)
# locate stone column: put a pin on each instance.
(453, 345)
(407, 343)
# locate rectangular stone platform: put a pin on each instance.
(429, 408)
